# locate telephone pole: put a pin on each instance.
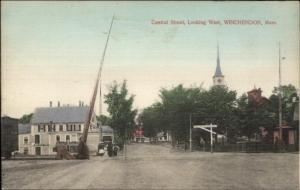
(190, 132)
(279, 96)
(100, 78)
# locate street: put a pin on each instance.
(157, 167)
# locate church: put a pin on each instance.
(218, 78)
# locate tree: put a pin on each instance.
(288, 93)
(26, 118)
(122, 114)
(152, 120)
(177, 104)
(219, 105)
(103, 119)
(252, 118)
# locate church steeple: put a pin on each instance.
(218, 78)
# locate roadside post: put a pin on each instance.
(191, 132)
(211, 139)
(125, 141)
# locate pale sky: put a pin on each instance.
(52, 50)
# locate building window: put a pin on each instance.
(37, 139)
(41, 128)
(25, 140)
(61, 128)
(69, 127)
(51, 128)
(25, 150)
(57, 138)
(78, 127)
(68, 138)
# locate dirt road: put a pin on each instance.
(157, 167)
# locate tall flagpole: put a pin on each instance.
(100, 74)
(98, 81)
(279, 96)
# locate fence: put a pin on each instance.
(246, 147)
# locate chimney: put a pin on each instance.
(58, 104)
(50, 103)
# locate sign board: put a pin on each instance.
(204, 126)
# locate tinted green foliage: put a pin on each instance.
(235, 117)
(103, 119)
(122, 114)
(25, 119)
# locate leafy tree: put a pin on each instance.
(103, 119)
(288, 93)
(25, 119)
(177, 104)
(252, 118)
(122, 114)
(152, 119)
(219, 105)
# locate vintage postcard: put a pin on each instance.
(150, 95)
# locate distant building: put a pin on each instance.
(25, 139)
(64, 124)
(256, 98)
(163, 136)
(289, 135)
(218, 78)
(9, 136)
(107, 134)
(138, 135)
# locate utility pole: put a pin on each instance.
(92, 103)
(100, 112)
(279, 96)
(190, 132)
(100, 78)
(82, 144)
(211, 139)
(125, 139)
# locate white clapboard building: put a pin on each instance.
(62, 123)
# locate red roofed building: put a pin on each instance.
(138, 135)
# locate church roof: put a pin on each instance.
(218, 72)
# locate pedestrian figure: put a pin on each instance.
(110, 149)
(115, 150)
(101, 151)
